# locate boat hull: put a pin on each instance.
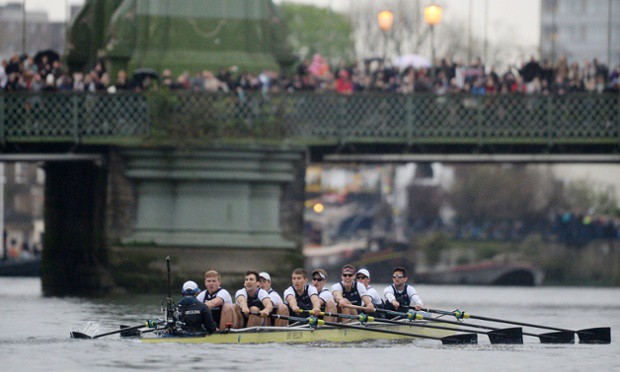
(260, 335)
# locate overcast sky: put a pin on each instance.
(518, 18)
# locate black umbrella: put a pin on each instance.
(51, 55)
(143, 73)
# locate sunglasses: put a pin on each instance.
(317, 279)
(347, 275)
(398, 276)
(361, 277)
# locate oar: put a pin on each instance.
(147, 324)
(500, 336)
(496, 335)
(600, 335)
(465, 338)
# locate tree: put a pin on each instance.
(583, 196)
(493, 192)
(318, 30)
(410, 34)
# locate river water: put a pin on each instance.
(34, 336)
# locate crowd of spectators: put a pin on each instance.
(23, 73)
(573, 229)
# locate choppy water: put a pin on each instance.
(34, 336)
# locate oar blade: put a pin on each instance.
(595, 336)
(561, 337)
(506, 336)
(460, 339)
(80, 335)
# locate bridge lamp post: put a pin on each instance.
(385, 18)
(432, 16)
(24, 27)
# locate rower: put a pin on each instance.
(301, 295)
(399, 296)
(217, 299)
(195, 316)
(363, 276)
(319, 278)
(350, 292)
(252, 303)
(264, 282)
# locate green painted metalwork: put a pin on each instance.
(180, 35)
(311, 119)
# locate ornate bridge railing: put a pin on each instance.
(311, 118)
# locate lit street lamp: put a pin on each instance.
(385, 18)
(432, 16)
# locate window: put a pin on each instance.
(40, 176)
(21, 173)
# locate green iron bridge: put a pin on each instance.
(218, 180)
(366, 127)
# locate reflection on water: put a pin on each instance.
(35, 335)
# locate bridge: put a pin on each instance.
(222, 176)
(326, 124)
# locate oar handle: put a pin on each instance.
(311, 321)
(362, 308)
(361, 317)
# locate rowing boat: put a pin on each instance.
(306, 334)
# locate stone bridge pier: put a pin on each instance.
(110, 226)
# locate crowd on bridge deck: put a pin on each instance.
(22, 73)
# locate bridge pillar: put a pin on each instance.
(74, 258)
(226, 210)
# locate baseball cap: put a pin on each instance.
(363, 272)
(190, 287)
(319, 273)
(348, 269)
(265, 276)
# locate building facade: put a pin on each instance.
(582, 30)
(23, 208)
(40, 33)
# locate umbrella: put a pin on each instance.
(51, 55)
(411, 60)
(140, 74)
(143, 73)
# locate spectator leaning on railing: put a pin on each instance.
(21, 73)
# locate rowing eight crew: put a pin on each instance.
(256, 301)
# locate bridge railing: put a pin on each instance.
(72, 117)
(312, 118)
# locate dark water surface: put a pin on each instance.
(34, 336)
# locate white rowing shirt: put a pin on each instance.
(361, 289)
(414, 299)
(376, 299)
(326, 295)
(291, 291)
(221, 293)
(275, 297)
(262, 294)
